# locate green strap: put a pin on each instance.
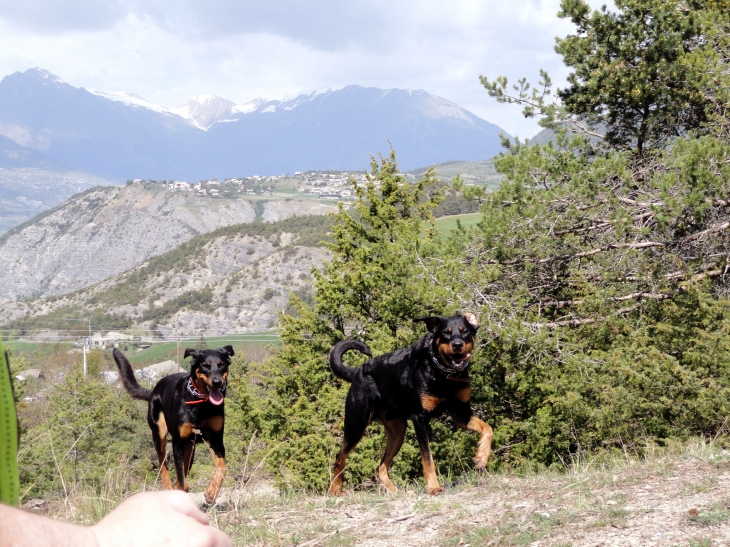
(9, 477)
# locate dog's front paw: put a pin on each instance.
(480, 461)
(210, 494)
(435, 490)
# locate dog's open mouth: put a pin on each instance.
(459, 361)
(215, 395)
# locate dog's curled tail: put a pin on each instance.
(128, 379)
(336, 366)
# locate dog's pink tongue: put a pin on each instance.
(464, 357)
(215, 396)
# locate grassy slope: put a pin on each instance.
(447, 224)
(472, 172)
(669, 497)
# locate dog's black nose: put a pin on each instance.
(457, 345)
(217, 382)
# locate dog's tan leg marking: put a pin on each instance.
(429, 469)
(211, 493)
(395, 432)
(463, 395)
(484, 448)
(429, 402)
(161, 446)
(214, 424)
(338, 471)
(185, 430)
(348, 445)
(429, 473)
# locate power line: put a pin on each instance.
(152, 342)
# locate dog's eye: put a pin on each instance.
(446, 334)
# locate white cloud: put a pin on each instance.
(167, 52)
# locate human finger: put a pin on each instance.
(183, 503)
(220, 539)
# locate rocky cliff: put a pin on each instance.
(234, 279)
(108, 230)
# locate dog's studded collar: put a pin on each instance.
(199, 397)
(449, 372)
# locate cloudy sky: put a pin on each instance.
(167, 51)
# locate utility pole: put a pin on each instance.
(87, 343)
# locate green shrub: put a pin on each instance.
(90, 429)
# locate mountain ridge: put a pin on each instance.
(119, 136)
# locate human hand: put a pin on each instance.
(156, 519)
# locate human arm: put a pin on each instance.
(151, 519)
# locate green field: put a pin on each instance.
(247, 344)
(36, 350)
(481, 173)
(253, 346)
(447, 224)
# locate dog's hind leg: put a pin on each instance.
(339, 468)
(395, 432)
(159, 438)
(429, 469)
(357, 418)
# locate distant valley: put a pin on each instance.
(176, 255)
(155, 258)
(28, 191)
(57, 139)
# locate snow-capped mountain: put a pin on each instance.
(130, 99)
(120, 135)
(205, 110)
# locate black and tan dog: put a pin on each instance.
(415, 383)
(182, 403)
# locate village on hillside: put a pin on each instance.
(322, 184)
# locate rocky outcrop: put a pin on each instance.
(234, 282)
(108, 230)
(103, 232)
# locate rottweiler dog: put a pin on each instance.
(415, 383)
(183, 404)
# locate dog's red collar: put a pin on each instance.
(200, 398)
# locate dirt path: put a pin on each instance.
(680, 499)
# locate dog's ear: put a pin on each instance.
(432, 322)
(472, 320)
(228, 350)
(191, 351)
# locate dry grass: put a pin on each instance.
(676, 496)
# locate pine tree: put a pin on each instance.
(372, 288)
(600, 268)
